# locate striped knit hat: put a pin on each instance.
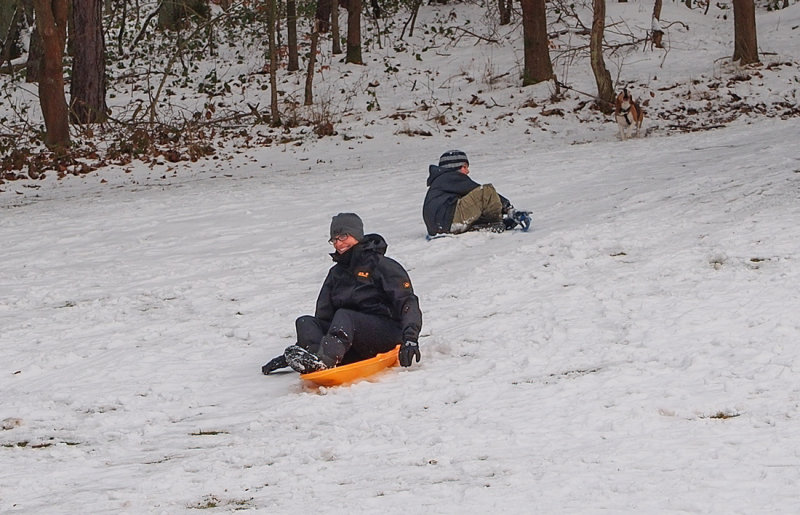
(453, 159)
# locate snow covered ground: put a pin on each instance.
(636, 351)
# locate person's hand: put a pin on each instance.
(407, 352)
(274, 364)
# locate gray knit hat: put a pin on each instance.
(453, 159)
(347, 223)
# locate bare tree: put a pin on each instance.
(8, 10)
(172, 13)
(123, 20)
(323, 16)
(658, 34)
(377, 12)
(35, 52)
(745, 42)
(291, 35)
(312, 62)
(504, 8)
(88, 85)
(51, 21)
(412, 20)
(605, 89)
(354, 32)
(273, 63)
(336, 47)
(538, 66)
(12, 18)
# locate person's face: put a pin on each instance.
(465, 169)
(343, 242)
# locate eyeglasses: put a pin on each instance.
(338, 238)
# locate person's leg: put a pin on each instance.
(354, 336)
(479, 205)
(310, 331)
(491, 207)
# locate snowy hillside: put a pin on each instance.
(635, 352)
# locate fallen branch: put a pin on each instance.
(689, 128)
(593, 97)
(478, 36)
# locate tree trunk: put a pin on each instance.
(335, 35)
(8, 10)
(173, 13)
(377, 12)
(658, 34)
(273, 64)
(745, 42)
(538, 66)
(70, 29)
(88, 85)
(51, 20)
(605, 88)
(504, 8)
(123, 21)
(291, 35)
(27, 11)
(35, 52)
(312, 62)
(323, 16)
(354, 32)
(412, 20)
(11, 20)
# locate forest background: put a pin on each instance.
(90, 83)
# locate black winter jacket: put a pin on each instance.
(365, 280)
(445, 188)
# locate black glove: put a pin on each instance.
(274, 364)
(407, 352)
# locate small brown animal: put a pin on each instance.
(628, 114)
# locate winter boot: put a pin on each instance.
(509, 223)
(523, 218)
(517, 218)
(302, 360)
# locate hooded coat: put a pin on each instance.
(445, 188)
(365, 280)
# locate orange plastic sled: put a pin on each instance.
(354, 371)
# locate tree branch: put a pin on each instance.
(145, 24)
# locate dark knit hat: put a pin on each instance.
(347, 223)
(453, 159)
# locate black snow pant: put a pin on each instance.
(351, 336)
